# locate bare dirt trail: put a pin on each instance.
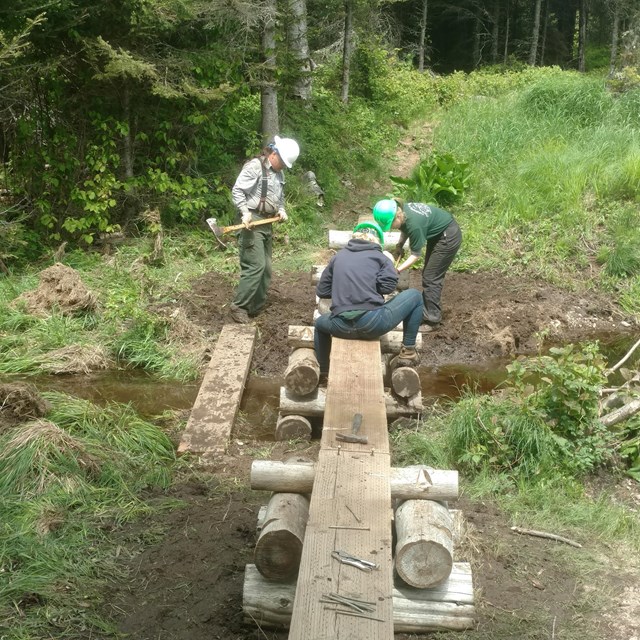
(188, 584)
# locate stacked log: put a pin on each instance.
(279, 547)
(448, 607)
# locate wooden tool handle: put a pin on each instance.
(257, 223)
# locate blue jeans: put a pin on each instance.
(406, 307)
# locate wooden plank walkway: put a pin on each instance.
(215, 409)
(350, 507)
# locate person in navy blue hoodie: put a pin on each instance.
(356, 279)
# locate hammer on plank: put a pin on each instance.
(218, 231)
(353, 436)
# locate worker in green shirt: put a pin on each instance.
(424, 226)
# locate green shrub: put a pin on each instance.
(439, 180)
(563, 389)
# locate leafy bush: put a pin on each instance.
(562, 389)
(439, 180)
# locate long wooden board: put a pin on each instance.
(350, 507)
(215, 408)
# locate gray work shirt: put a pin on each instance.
(248, 188)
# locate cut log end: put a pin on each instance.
(293, 427)
(405, 381)
(412, 568)
(277, 555)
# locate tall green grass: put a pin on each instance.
(549, 162)
(65, 482)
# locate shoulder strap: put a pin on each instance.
(263, 190)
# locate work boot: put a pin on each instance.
(407, 357)
(238, 314)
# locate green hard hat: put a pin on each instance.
(384, 212)
(370, 225)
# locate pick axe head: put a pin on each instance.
(217, 231)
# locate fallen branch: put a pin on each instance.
(619, 364)
(549, 536)
(628, 410)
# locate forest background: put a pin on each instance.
(123, 126)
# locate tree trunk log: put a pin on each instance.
(621, 414)
(316, 272)
(448, 607)
(338, 239)
(424, 551)
(313, 405)
(407, 483)
(301, 336)
(279, 547)
(405, 381)
(292, 427)
(303, 373)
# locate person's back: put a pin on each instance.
(361, 275)
(356, 279)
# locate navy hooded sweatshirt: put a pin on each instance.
(357, 278)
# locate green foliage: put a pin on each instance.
(580, 100)
(621, 254)
(381, 78)
(562, 389)
(499, 435)
(548, 160)
(65, 482)
(438, 180)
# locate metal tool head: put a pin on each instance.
(217, 231)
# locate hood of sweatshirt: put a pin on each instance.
(362, 245)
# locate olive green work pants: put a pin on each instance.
(255, 247)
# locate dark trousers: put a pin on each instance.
(405, 307)
(255, 247)
(441, 251)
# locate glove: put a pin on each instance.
(398, 253)
(246, 218)
(283, 215)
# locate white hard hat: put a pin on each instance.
(287, 149)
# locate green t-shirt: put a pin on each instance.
(423, 222)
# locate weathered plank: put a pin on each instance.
(350, 507)
(216, 406)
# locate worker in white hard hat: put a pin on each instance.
(258, 193)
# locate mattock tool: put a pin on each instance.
(353, 436)
(218, 231)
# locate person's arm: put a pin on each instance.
(281, 210)
(399, 252)
(411, 260)
(323, 288)
(387, 279)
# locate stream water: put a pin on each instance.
(260, 401)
